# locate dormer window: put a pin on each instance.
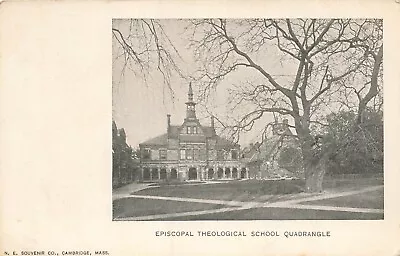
(234, 154)
(146, 154)
(163, 154)
(191, 129)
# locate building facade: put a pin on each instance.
(190, 151)
(276, 156)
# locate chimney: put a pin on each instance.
(212, 122)
(168, 121)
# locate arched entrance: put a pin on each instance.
(174, 174)
(243, 173)
(228, 173)
(146, 174)
(220, 173)
(234, 173)
(210, 173)
(163, 174)
(192, 173)
(154, 174)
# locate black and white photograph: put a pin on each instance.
(199, 128)
(247, 119)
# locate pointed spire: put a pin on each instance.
(168, 121)
(190, 94)
(190, 105)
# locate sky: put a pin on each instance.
(141, 109)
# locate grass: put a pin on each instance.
(372, 200)
(282, 214)
(249, 190)
(132, 207)
(350, 184)
(252, 190)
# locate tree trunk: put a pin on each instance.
(314, 166)
(315, 176)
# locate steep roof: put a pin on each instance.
(251, 150)
(267, 148)
(159, 140)
(174, 134)
(208, 131)
(192, 138)
(174, 131)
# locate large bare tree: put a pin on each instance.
(144, 48)
(328, 63)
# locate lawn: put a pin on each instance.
(132, 207)
(372, 200)
(253, 190)
(282, 214)
(350, 184)
(248, 190)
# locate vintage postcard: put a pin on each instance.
(201, 128)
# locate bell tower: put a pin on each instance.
(190, 105)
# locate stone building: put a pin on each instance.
(190, 151)
(277, 156)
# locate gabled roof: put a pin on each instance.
(174, 131)
(209, 132)
(192, 138)
(159, 140)
(267, 148)
(251, 150)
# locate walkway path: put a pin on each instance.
(126, 190)
(237, 205)
(190, 200)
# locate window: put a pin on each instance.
(163, 154)
(191, 129)
(234, 154)
(146, 154)
(183, 154)
(189, 154)
(196, 154)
